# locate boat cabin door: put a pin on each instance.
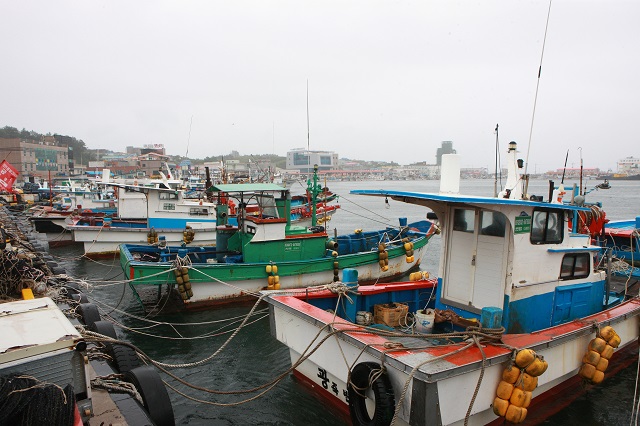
(476, 258)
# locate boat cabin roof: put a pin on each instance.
(423, 198)
(246, 187)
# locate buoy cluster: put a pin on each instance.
(418, 275)
(184, 282)
(599, 351)
(519, 379)
(408, 249)
(152, 236)
(188, 234)
(273, 279)
(383, 257)
(336, 267)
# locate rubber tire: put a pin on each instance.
(105, 328)
(125, 358)
(382, 390)
(89, 313)
(154, 394)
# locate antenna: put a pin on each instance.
(308, 144)
(495, 180)
(189, 139)
(565, 166)
(535, 99)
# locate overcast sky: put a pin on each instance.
(388, 80)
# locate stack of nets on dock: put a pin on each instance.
(26, 401)
(18, 271)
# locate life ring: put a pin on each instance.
(384, 399)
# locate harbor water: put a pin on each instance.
(255, 362)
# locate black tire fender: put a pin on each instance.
(125, 358)
(382, 391)
(154, 394)
(89, 313)
(106, 329)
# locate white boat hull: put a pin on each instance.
(445, 388)
(99, 240)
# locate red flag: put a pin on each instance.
(8, 175)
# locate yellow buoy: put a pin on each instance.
(587, 371)
(268, 269)
(515, 414)
(614, 341)
(500, 406)
(510, 374)
(606, 333)
(597, 344)
(504, 390)
(591, 357)
(607, 352)
(524, 357)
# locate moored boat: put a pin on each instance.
(266, 251)
(523, 281)
(623, 238)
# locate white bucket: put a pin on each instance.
(424, 320)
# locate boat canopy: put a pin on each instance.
(423, 199)
(246, 187)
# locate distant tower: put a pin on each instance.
(446, 148)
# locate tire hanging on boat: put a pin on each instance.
(360, 381)
(519, 380)
(599, 351)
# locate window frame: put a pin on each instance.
(571, 274)
(546, 235)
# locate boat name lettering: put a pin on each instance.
(324, 380)
(522, 225)
(292, 245)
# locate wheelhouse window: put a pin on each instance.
(575, 265)
(168, 196)
(463, 220)
(493, 223)
(547, 227)
(198, 211)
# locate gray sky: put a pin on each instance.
(388, 80)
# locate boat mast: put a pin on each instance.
(495, 180)
(535, 99)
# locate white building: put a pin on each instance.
(303, 160)
(629, 165)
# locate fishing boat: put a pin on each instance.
(142, 213)
(623, 238)
(266, 251)
(522, 313)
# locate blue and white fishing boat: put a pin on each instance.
(143, 213)
(623, 238)
(523, 315)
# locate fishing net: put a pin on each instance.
(26, 401)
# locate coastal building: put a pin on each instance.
(36, 159)
(629, 166)
(303, 160)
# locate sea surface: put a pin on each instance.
(253, 359)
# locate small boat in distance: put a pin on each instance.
(523, 314)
